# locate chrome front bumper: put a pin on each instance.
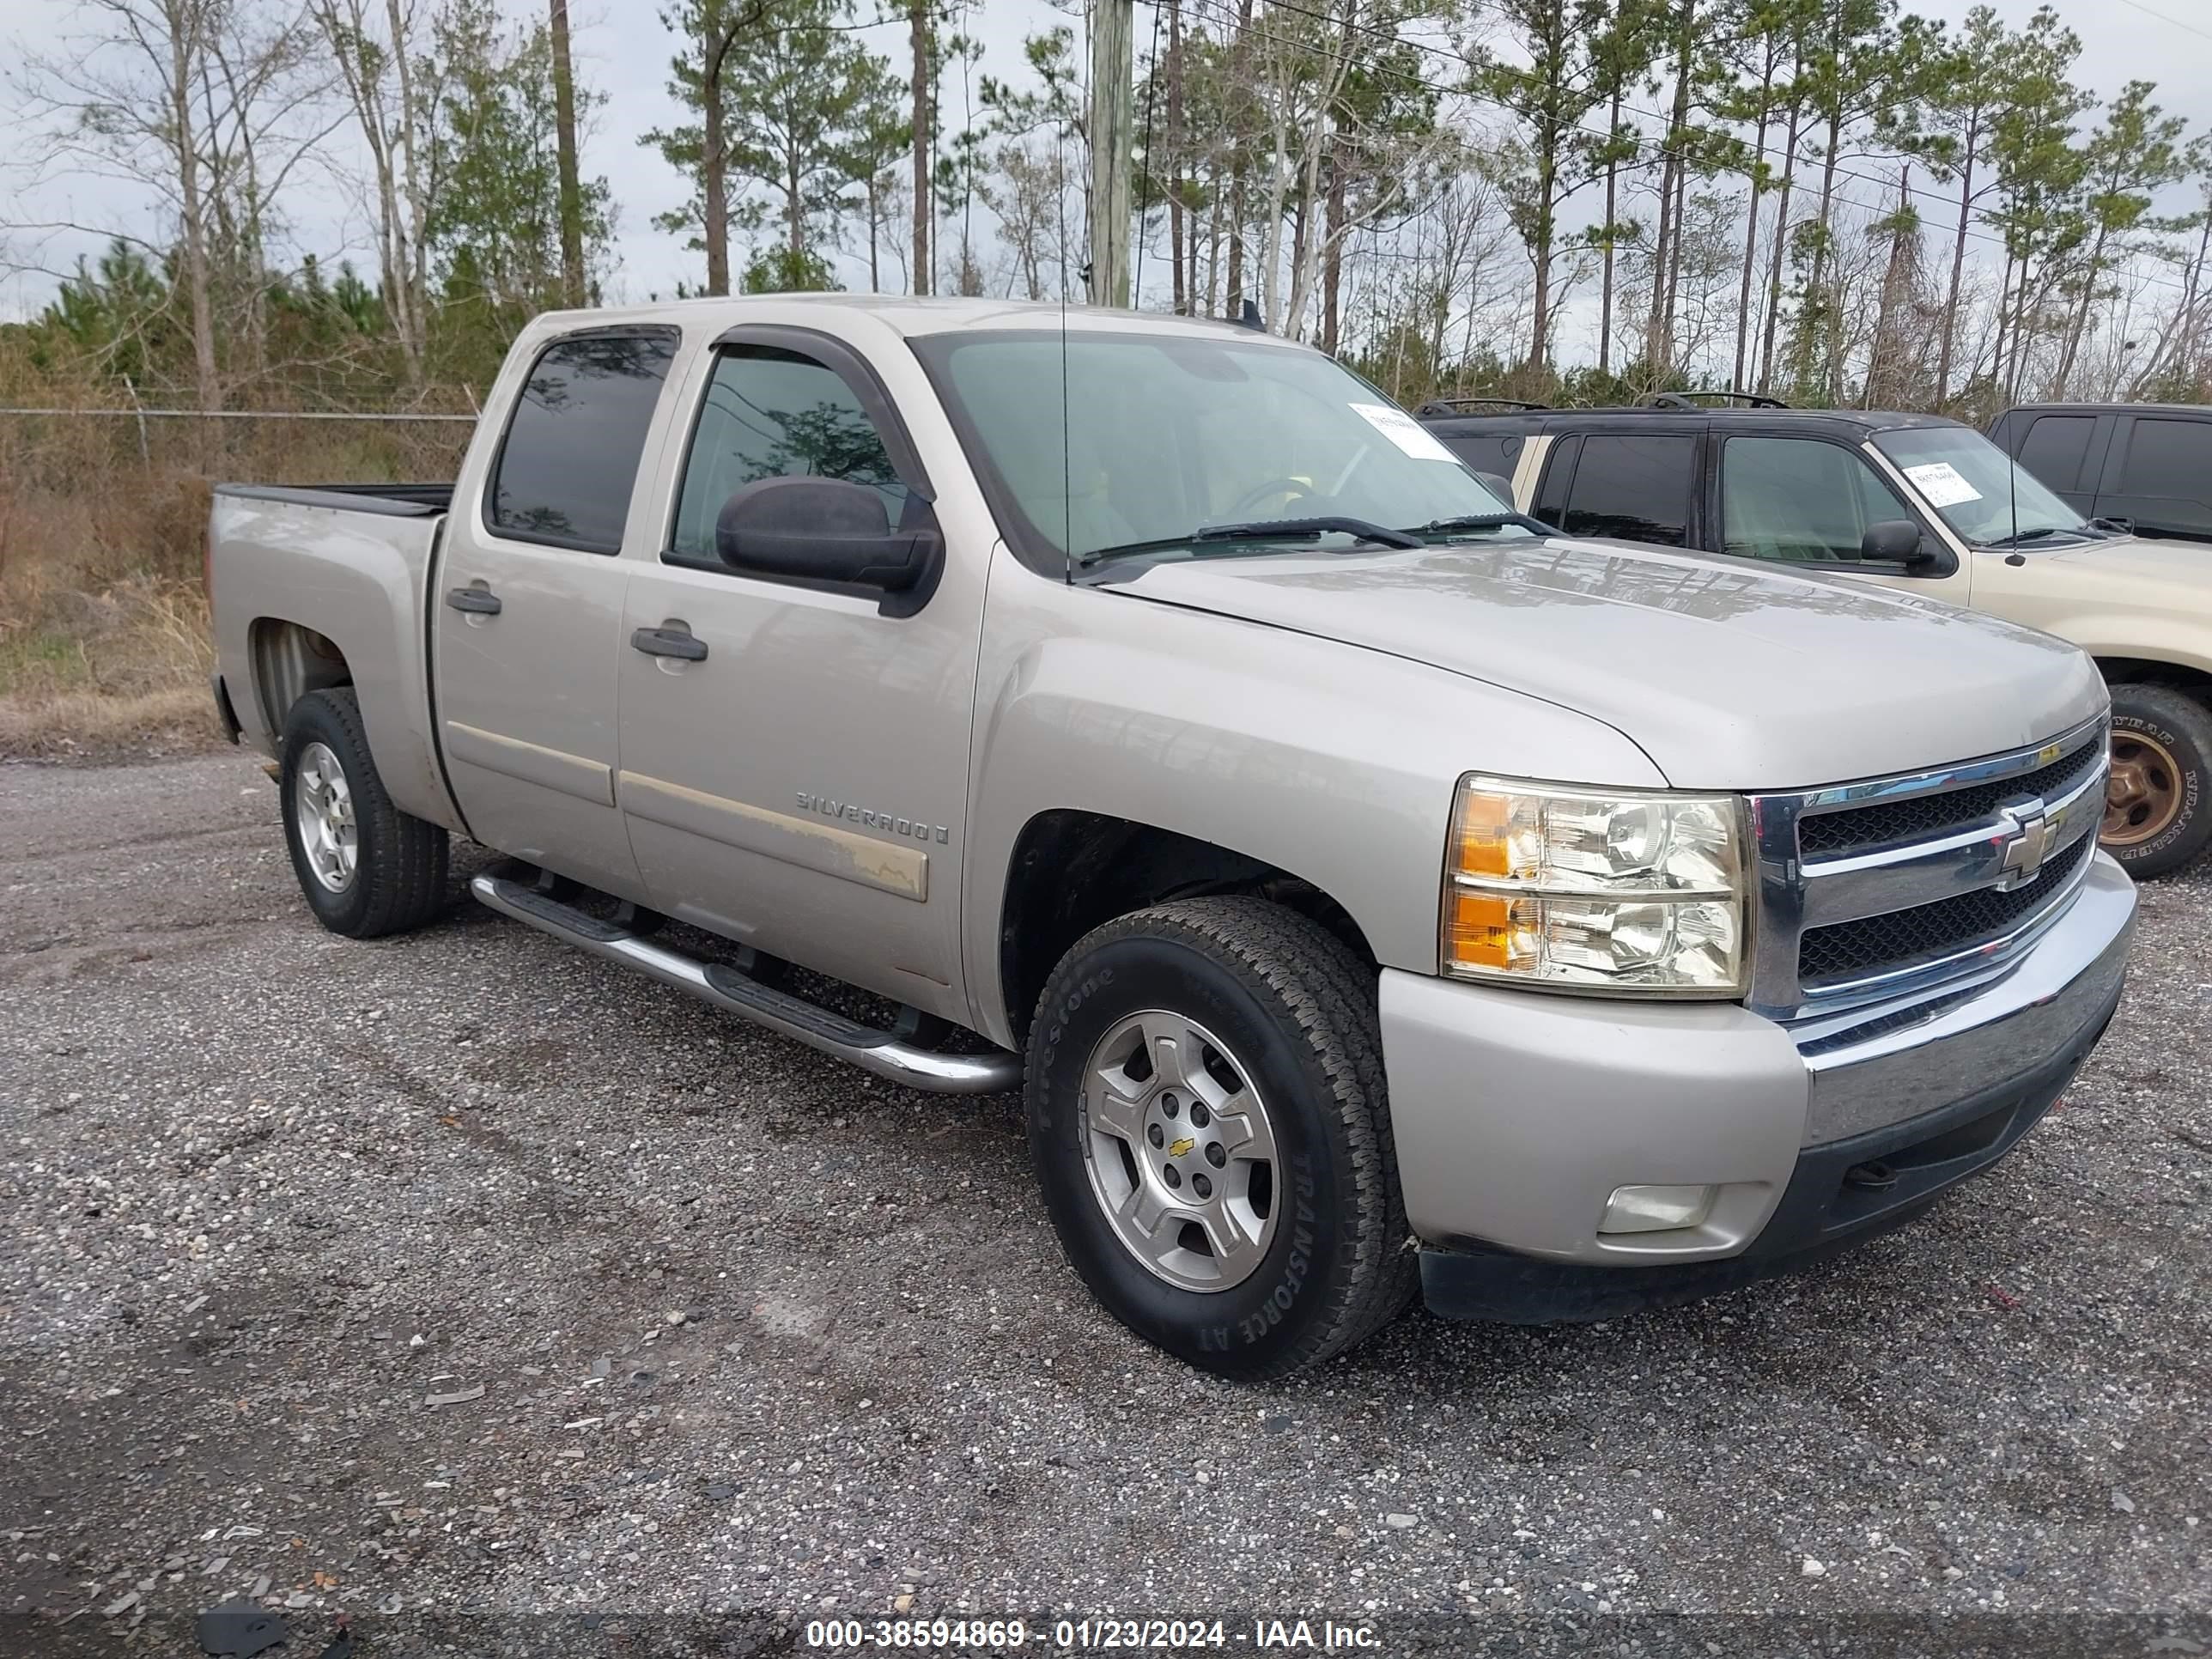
(1518, 1113)
(1869, 1073)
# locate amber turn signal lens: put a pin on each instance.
(1484, 926)
(1485, 821)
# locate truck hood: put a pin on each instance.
(2175, 567)
(1729, 676)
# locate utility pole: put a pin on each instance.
(572, 199)
(1113, 70)
(924, 129)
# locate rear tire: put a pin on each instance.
(366, 867)
(2162, 765)
(1251, 1267)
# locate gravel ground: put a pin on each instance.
(467, 1287)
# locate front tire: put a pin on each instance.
(366, 867)
(1208, 1121)
(2157, 818)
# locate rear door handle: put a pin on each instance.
(476, 601)
(669, 642)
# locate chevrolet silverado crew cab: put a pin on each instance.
(1368, 891)
(1915, 502)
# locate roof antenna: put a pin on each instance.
(1066, 464)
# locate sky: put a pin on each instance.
(623, 49)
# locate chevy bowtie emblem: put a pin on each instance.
(2026, 835)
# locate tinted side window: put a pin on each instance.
(2167, 458)
(1800, 499)
(1495, 452)
(1559, 467)
(1636, 489)
(774, 413)
(2054, 448)
(571, 453)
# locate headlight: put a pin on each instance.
(1613, 891)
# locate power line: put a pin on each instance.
(1151, 81)
(1762, 151)
(2189, 29)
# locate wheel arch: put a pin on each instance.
(2145, 670)
(1072, 870)
(289, 659)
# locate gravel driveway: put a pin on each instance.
(465, 1286)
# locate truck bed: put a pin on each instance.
(327, 585)
(399, 500)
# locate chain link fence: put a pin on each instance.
(103, 519)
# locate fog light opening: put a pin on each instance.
(1657, 1209)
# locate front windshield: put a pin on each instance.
(1980, 491)
(1159, 436)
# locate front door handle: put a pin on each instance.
(669, 642)
(476, 601)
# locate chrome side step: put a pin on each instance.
(872, 1050)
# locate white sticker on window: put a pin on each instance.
(1403, 430)
(1942, 483)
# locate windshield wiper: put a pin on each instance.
(1267, 529)
(1263, 529)
(1469, 522)
(2039, 533)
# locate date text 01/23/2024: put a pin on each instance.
(1091, 1635)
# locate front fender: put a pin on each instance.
(1331, 761)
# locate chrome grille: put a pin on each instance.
(1876, 889)
(1829, 835)
(1874, 944)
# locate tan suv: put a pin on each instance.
(1917, 503)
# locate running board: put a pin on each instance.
(872, 1050)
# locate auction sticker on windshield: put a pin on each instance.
(1942, 483)
(1403, 430)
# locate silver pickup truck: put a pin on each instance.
(1368, 889)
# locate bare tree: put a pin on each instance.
(389, 81)
(1299, 66)
(1030, 199)
(207, 106)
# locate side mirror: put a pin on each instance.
(1500, 487)
(1895, 541)
(825, 530)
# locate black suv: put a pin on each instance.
(1912, 501)
(2148, 467)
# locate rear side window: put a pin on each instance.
(2167, 458)
(572, 445)
(2054, 448)
(1634, 489)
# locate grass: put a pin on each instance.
(105, 674)
(104, 648)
